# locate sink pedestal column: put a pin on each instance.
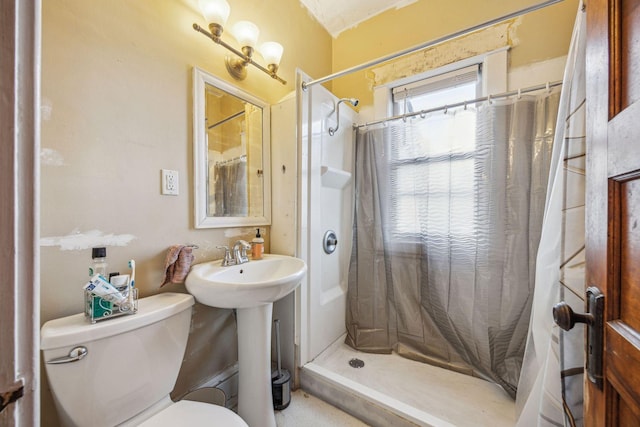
(255, 402)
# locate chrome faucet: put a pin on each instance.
(240, 251)
(227, 260)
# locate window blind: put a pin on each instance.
(434, 84)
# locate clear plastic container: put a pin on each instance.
(99, 263)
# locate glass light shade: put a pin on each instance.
(271, 52)
(215, 11)
(246, 33)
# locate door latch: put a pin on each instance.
(10, 396)
(566, 319)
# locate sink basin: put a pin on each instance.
(246, 285)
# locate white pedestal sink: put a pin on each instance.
(251, 288)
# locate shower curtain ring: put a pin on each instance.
(446, 108)
(548, 87)
(423, 114)
(489, 99)
(519, 93)
(465, 105)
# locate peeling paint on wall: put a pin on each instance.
(232, 233)
(77, 240)
(51, 157)
(511, 31)
(482, 41)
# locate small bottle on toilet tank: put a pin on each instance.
(99, 263)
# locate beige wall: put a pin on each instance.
(534, 37)
(116, 89)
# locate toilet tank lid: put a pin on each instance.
(76, 329)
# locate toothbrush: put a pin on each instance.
(132, 266)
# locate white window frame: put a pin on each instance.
(430, 85)
(494, 79)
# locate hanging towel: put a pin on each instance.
(177, 264)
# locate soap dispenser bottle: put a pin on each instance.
(257, 246)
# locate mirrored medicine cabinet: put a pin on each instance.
(231, 155)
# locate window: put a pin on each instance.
(432, 165)
(444, 89)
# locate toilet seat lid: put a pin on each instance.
(190, 413)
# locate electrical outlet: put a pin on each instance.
(169, 182)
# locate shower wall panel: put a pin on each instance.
(326, 204)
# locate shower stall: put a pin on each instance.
(381, 389)
(314, 221)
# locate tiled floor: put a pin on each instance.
(308, 411)
(454, 398)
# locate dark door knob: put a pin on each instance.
(566, 318)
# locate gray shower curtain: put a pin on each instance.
(230, 188)
(447, 224)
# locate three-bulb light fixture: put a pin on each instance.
(216, 12)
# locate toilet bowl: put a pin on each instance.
(119, 372)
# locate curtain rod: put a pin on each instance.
(430, 43)
(235, 159)
(223, 121)
(547, 86)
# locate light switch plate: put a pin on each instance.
(170, 182)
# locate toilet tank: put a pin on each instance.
(132, 361)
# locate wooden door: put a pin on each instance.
(613, 203)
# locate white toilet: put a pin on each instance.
(129, 369)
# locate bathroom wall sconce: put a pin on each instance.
(216, 12)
